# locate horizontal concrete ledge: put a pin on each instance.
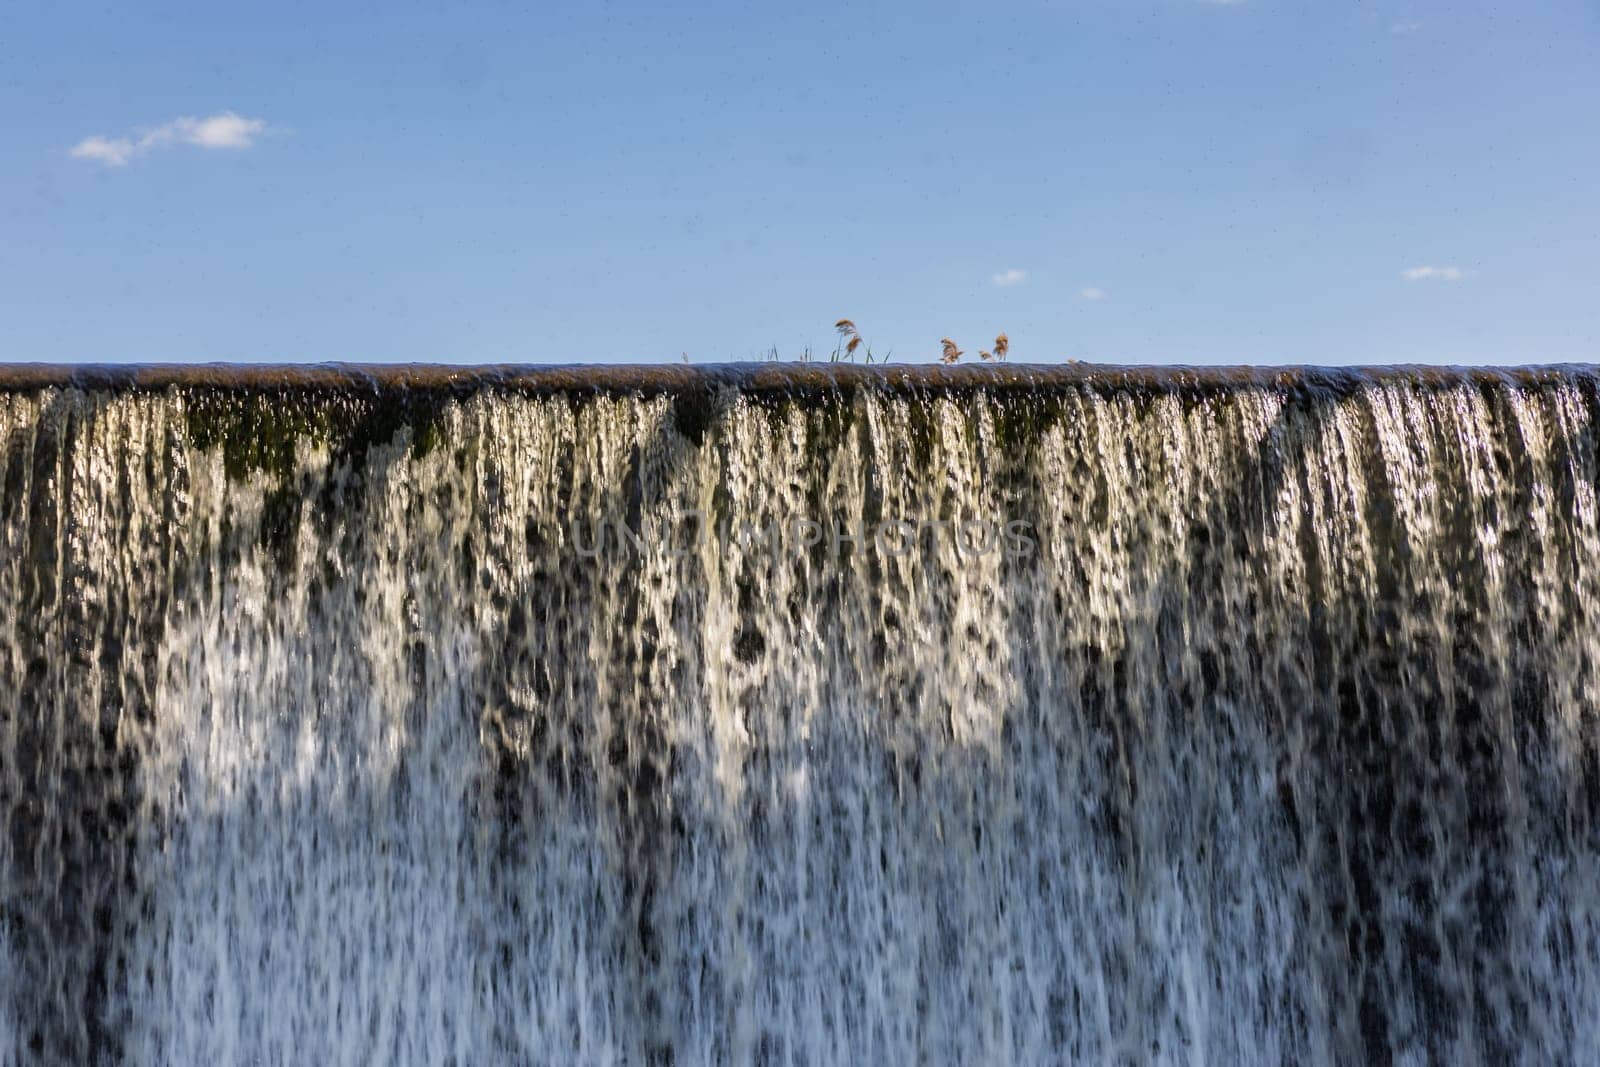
(779, 378)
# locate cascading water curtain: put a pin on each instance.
(1206, 722)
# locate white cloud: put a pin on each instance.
(1406, 26)
(1092, 292)
(1010, 277)
(1433, 274)
(226, 130)
(112, 151)
(223, 130)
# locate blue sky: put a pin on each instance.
(1161, 181)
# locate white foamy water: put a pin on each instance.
(326, 738)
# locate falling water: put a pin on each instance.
(470, 723)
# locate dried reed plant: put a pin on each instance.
(849, 341)
(1002, 345)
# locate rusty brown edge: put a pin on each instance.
(782, 378)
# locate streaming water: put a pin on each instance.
(507, 728)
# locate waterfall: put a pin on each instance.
(825, 718)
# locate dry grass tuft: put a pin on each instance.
(953, 354)
(850, 340)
